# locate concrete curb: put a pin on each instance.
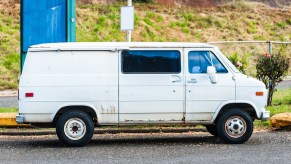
(9, 120)
(31, 132)
(8, 93)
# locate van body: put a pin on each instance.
(76, 86)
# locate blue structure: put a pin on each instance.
(46, 21)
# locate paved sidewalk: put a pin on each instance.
(8, 93)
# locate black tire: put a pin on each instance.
(75, 128)
(211, 129)
(234, 126)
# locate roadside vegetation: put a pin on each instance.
(8, 110)
(281, 104)
(155, 22)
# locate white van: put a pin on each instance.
(76, 86)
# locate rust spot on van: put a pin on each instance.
(102, 109)
(109, 110)
(112, 109)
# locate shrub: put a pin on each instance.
(271, 70)
(240, 63)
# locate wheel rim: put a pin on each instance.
(75, 128)
(235, 127)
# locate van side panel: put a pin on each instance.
(68, 78)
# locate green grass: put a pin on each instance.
(155, 22)
(9, 51)
(281, 104)
(8, 110)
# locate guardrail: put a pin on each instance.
(270, 43)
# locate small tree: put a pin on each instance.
(271, 70)
(240, 63)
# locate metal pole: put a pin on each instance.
(128, 32)
(71, 20)
(270, 47)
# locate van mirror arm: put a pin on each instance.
(211, 72)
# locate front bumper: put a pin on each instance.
(265, 115)
(19, 119)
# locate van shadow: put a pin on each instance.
(157, 141)
(154, 140)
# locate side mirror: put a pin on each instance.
(211, 72)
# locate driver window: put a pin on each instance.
(198, 61)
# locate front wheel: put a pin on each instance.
(211, 129)
(234, 126)
(75, 128)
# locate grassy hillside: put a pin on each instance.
(155, 22)
(9, 46)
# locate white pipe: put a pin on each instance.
(129, 3)
(128, 32)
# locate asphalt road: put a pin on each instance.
(8, 102)
(191, 147)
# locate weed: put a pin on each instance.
(148, 21)
(281, 24)
(186, 30)
(188, 17)
(160, 18)
(150, 15)
(259, 37)
(173, 24)
(150, 33)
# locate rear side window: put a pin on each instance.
(151, 62)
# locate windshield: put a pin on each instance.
(227, 61)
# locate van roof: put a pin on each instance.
(114, 45)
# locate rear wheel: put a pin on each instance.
(75, 128)
(211, 129)
(234, 126)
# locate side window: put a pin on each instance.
(151, 62)
(198, 61)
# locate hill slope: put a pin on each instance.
(155, 22)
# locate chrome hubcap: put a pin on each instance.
(75, 128)
(235, 127)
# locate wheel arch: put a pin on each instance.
(91, 111)
(245, 106)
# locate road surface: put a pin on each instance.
(192, 147)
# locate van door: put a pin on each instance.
(151, 86)
(202, 96)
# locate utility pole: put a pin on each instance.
(128, 32)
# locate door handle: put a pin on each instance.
(192, 81)
(176, 81)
